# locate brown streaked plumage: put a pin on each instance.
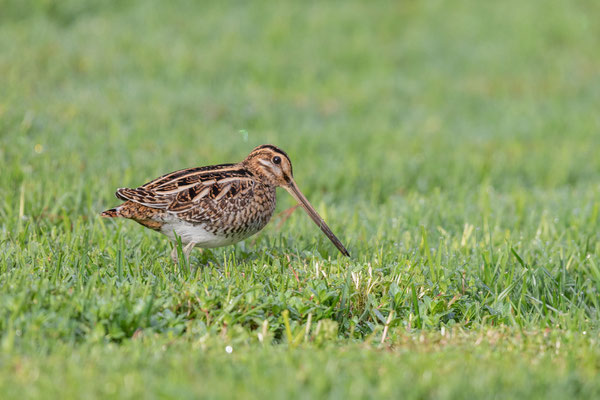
(217, 205)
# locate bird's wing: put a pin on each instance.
(187, 189)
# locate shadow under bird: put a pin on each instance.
(217, 205)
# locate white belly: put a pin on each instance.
(197, 234)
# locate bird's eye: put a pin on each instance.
(276, 160)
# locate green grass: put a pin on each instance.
(452, 146)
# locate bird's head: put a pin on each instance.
(273, 167)
(270, 165)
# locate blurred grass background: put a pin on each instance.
(452, 145)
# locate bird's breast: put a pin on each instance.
(223, 222)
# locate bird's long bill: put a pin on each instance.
(292, 188)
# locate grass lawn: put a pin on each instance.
(451, 146)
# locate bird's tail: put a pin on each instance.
(112, 213)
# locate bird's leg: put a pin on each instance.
(174, 255)
(188, 249)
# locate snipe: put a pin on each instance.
(217, 205)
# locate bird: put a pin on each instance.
(216, 205)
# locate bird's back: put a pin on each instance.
(225, 201)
